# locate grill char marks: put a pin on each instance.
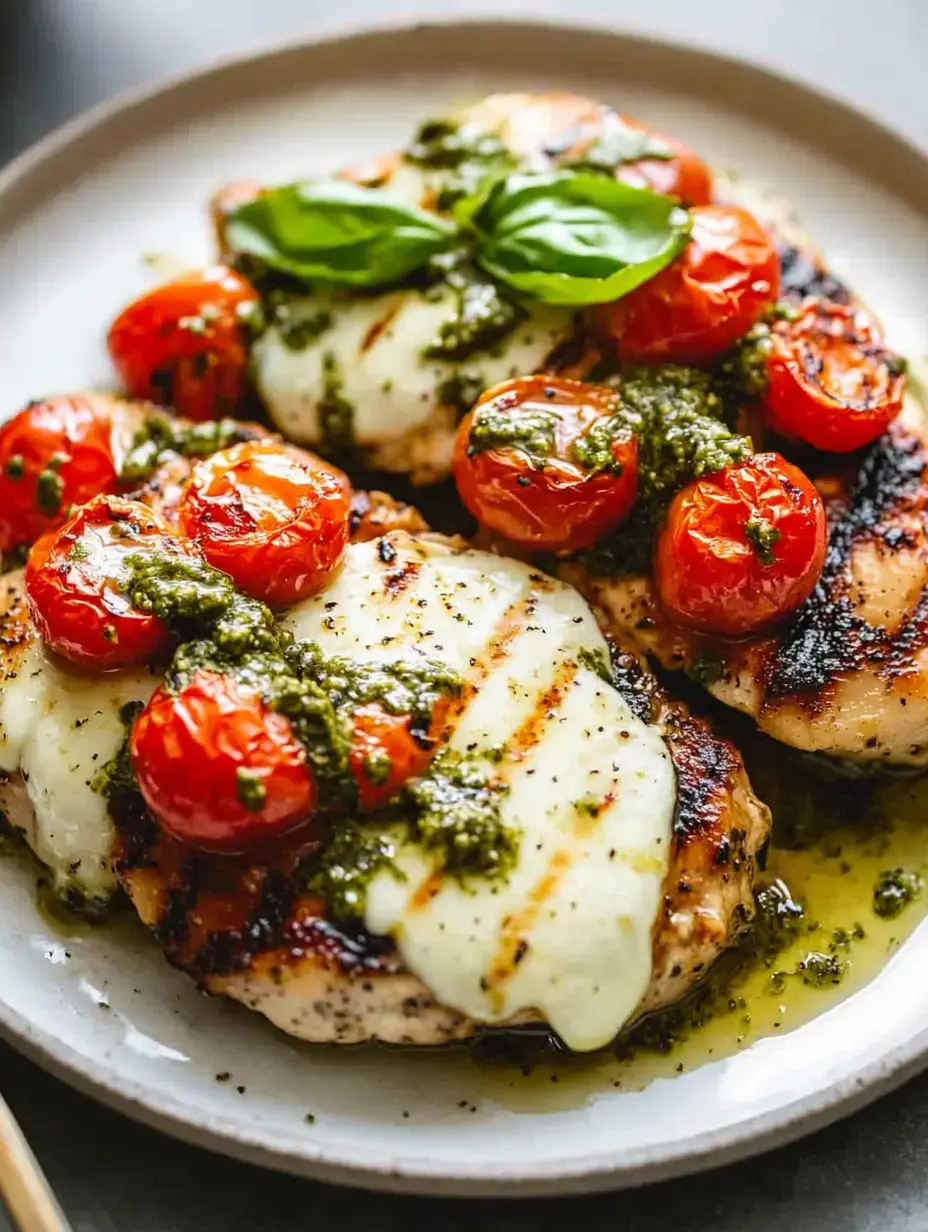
(803, 274)
(720, 830)
(829, 636)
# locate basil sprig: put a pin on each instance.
(569, 237)
(338, 232)
(574, 237)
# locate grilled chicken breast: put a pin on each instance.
(848, 674)
(246, 929)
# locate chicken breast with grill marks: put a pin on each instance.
(848, 674)
(678, 867)
(247, 929)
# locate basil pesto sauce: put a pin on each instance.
(452, 812)
(161, 436)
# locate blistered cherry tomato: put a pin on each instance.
(703, 301)
(274, 518)
(742, 548)
(675, 172)
(832, 381)
(53, 454)
(73, 579)
(185, 344)
(219, 769)
(528, 466)
(570, 129)
(385, 754)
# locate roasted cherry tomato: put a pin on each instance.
(385, 754)
(742, 548)
(570, 129)
(833, 383)
(674, 171)
(219, 769)
(53, 455)
(541, 461)
(274, 518)
(73, 585)
(185, 344)
(703, 301)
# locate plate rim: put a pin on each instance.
(611, 1168)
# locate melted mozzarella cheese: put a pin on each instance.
(591, 788)
(59, 727)
(375, 350)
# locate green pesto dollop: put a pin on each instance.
(49, 487)
(462, 155)
(336, 412)
(763, 536)
(895, 889)
(533, 433)
(456, 816)
(679, 421)
(483, 315)
(115, 777)
(160, 437)
(297, 322)
(618, 145)
(453, 813)
(461, 390)
(342, 869)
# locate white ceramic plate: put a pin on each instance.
(101, 1009)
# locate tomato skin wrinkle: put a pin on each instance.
(550, 501)
(192, 752)
(53, 454)
(705, 300)
(72, 585)
(185, 344)
(741, 549)
(831, 381)
(273, 517)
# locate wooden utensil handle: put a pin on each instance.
(25, 1190)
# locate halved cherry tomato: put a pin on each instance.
(274, 518)
(703, 301)
(385, 754)
(185, 344)
(833, 383)
(742, 548)
(533, 485)
(219, 769)
(73, 585)
(53, 454)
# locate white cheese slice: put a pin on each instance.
(59, 727)
(373, 354)
(591, 788)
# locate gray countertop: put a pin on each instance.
(871, 1172)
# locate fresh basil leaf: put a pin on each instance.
(337, 232)
(573, 237)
